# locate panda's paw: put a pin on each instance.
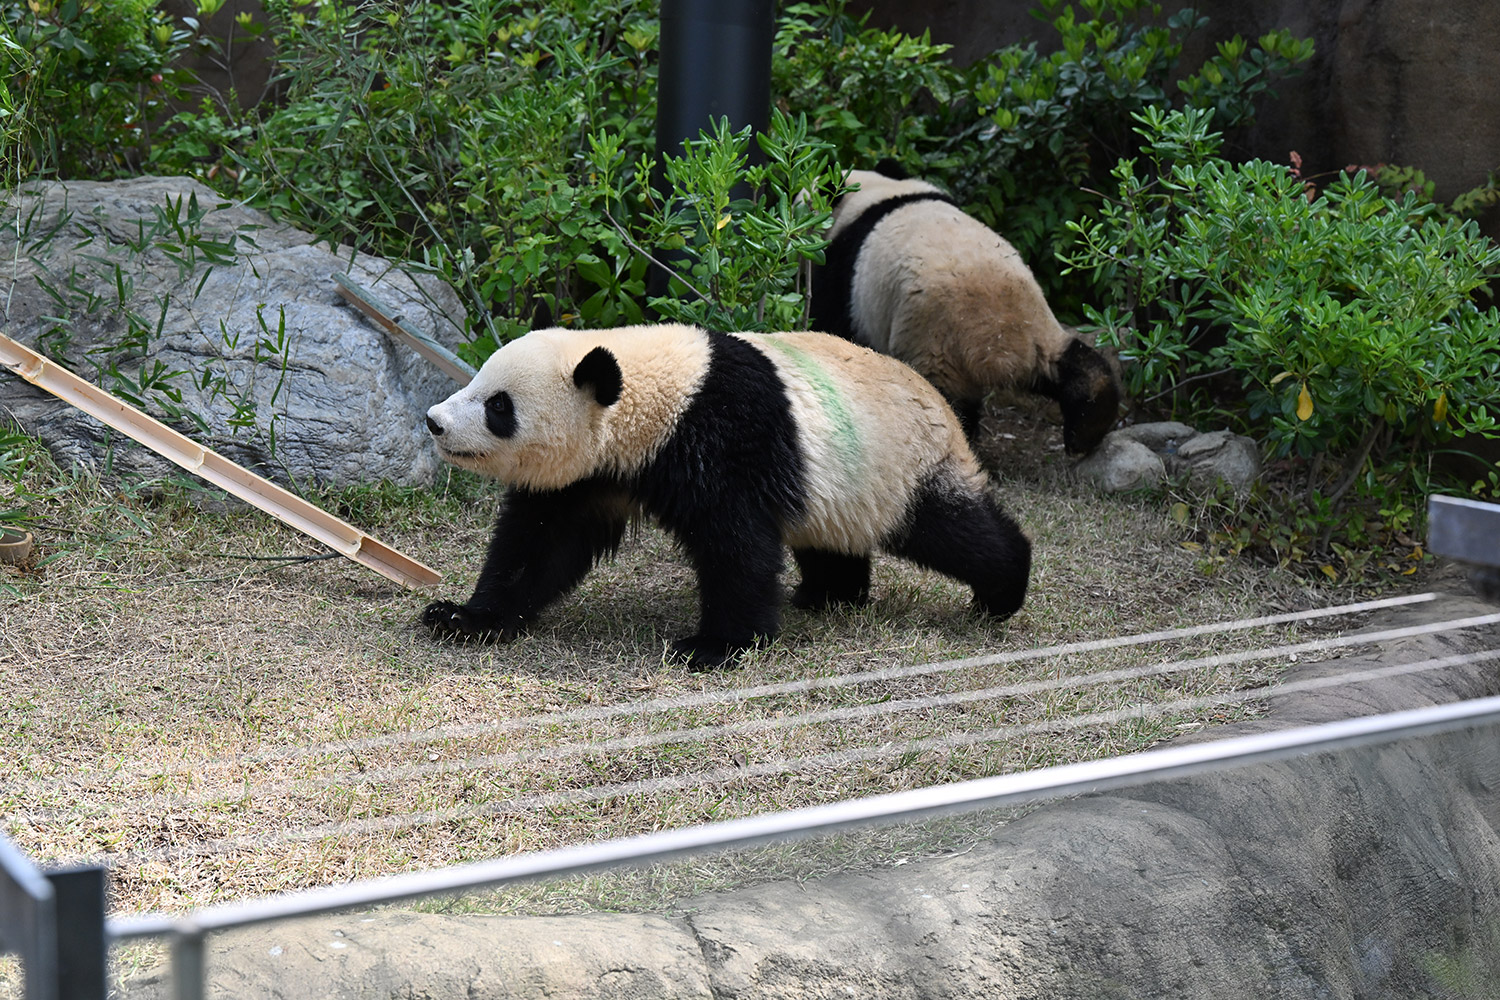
(806, 598)
(461, 623)
(702, 652)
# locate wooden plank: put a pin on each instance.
(285, 506)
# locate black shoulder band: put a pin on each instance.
(833, 283)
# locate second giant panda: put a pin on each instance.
(911, 275)
(737, 445)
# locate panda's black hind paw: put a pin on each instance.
(806, 598)
(460, 623)
(701, 652)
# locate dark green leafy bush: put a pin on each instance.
(84, 80)
(451, 135)
(1338, 326)
(1023, 138)
(736, 237)
(1048, 126)
(871, 93)
(460, 135)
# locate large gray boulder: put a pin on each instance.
(245, 308)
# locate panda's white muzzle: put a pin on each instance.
(449, 448)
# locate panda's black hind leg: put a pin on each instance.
(965, 535)
(969, 413)
(830, 578)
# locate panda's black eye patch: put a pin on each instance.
(500, 415)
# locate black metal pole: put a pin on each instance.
(715, 63)
(82, 953)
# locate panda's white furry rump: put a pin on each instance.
(911, 275)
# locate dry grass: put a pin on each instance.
(214, 726)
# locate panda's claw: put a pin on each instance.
(448, 620)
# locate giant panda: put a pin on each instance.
(738, 445)
(911, 275)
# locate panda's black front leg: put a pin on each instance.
(739, 591)
(543, 544)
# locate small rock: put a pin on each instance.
(1120, 463)
(1143, 455)
(1163, 436)
(1220, 455)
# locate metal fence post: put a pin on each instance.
(1467, 531)
(82, 954)
(28, 921)
(187, 961)
(715, 63)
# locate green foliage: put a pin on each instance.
(25, 466)
(737, 239)
(453, 135)
(84, 81)
(1024, 137)
(1395, 180)
(1339, 327)
(1048, 126)
(871, 93)
(1481, 199)
(462, 136)
(507, 150)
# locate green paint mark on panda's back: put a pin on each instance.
(847, 442)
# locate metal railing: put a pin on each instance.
(65, 960)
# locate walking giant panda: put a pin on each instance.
(909, 274)
(737, 445)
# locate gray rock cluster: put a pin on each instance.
(1144, 455)
(245, 308)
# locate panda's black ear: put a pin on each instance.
(601, 372)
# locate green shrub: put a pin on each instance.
(1338, 326)
(460, 136)
(736, 238)
(449, 135)
(85, 79)
(871, 93)
(1024, 137)
(1048, 126)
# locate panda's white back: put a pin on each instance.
(940, 290)
(871, 432)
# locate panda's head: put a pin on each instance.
(535, 415)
